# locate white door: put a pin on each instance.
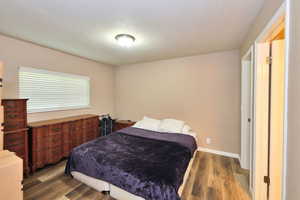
(261, 120)
(269, 119)
(277, 119)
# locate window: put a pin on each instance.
(50, 91)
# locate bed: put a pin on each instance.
(135, 164)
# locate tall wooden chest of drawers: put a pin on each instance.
(52, 140)
(15, 128)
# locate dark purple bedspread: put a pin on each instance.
(145, 163)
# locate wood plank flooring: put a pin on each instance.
(212, 177)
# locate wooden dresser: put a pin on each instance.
(52, 140)
(119, 124)
(15, 128)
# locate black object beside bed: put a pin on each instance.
(145, 163)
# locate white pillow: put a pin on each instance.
(171, 126)
(151, 119)
(148, 124)
(186, 129)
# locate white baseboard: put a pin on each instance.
(222, 153)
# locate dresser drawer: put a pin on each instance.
(19, 149)
(77, 139)
(72, 126)
(55, 129)
(78, 125)
(91, 136)
(14, 105)
(66, 133)
(42, 157)
(15, 138)
(9, 116)
(84, 135)
(95, 122)
(87, 123)
(14, 124)
(41, 132)
(54, 140)
(39, 138)
(54, 154)
(67, 148)
(39, 158)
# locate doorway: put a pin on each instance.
(269, 110)
(247, 82)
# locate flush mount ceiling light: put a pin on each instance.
(125, 40)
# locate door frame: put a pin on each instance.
(244, 119)
(282, 12)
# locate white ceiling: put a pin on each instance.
(163, 28)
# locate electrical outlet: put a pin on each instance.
(208, 140)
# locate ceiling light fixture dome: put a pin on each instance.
(125, 40)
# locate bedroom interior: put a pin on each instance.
(200, 108)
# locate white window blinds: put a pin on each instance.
(49, 91)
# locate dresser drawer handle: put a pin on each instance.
(56, 129)
(12, 116)
(14, 139)
(55, 140)
(10, 106)
(55, 151)
(10, 126)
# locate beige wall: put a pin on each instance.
(15, 53)
(293, 162)
(202, 90)
(268, 10)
